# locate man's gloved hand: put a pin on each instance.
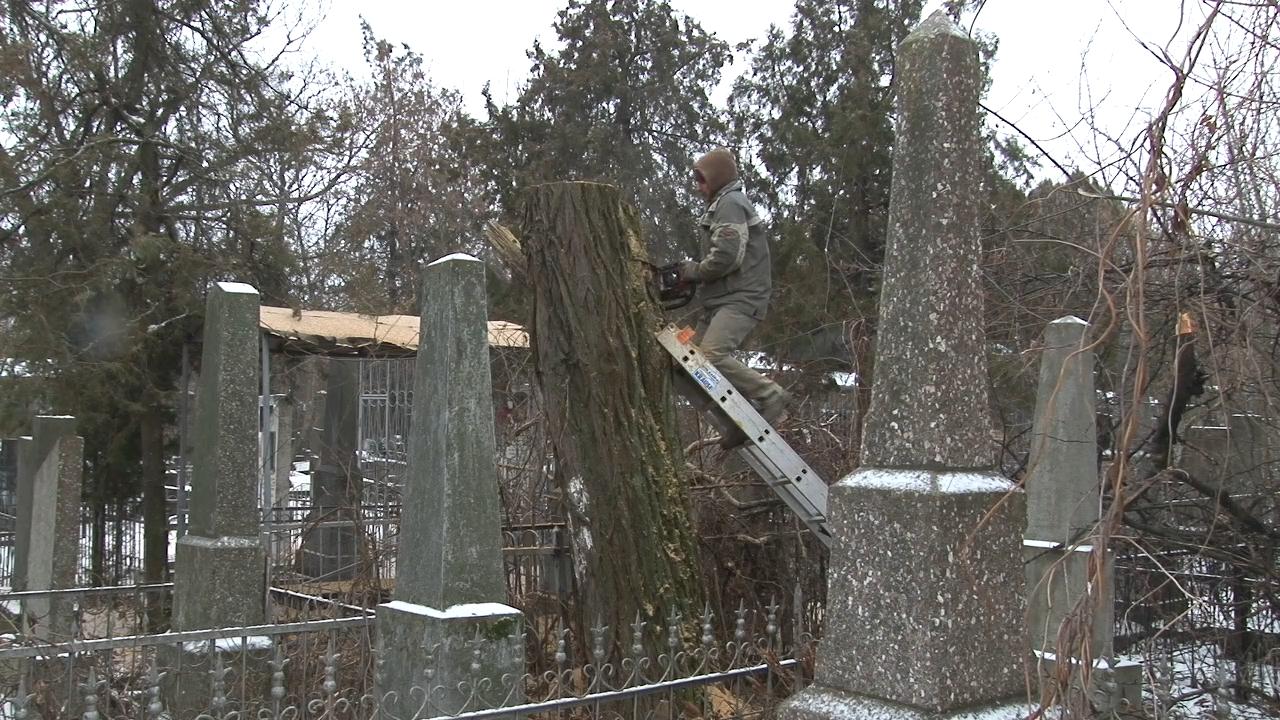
(688, 270)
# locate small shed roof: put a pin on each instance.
(323, 332)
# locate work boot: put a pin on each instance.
(774, 410)
(731, 436)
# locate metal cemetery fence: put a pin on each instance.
(386, 411)
(1193, 620)
(536, 555)
(304, 667)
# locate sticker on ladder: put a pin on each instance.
(704, 378)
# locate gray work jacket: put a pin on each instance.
(735, 268)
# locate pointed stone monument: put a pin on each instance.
(1068, 579)
(220, 564)
(449, 638)
(47, 543)
(47, 431)
(925, 609)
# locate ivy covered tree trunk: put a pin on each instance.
(606, 384)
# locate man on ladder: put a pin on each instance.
(734, 284)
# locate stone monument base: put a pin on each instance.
(1058, 579)
(925, 589)
(1116, 687)
(818, 703)
(444, 662)
(218, 582)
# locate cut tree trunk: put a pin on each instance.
(605, 381)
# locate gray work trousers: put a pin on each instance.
(718, 334)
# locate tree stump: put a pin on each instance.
(605, 382)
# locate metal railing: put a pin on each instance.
(302, 667)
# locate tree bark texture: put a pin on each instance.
(606, 384)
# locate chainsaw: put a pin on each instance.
(672, 292)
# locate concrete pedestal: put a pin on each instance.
(444, 662)
(218, 582)
(1114, 686)
(925, 599)
(1058, 579)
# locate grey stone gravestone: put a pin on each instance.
(1063, 482)
(32, 452)
(447, 617)
(925, 609)
(220, 570)
(220, 564)
(329, 550)
(50, 504)
(1238, 457)
(1069, 580)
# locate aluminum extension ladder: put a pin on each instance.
(765, 451)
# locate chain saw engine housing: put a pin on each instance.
(672, 291)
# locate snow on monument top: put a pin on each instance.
(455, 256)
(237, 287)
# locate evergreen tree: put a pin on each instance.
(625, 100)
(814, 117)
(135, 171)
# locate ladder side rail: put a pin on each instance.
(813, 520)
(742, 412)
(769, 455)
(776, 478)
(796, 471)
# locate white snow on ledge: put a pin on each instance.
(1100, 663)
(941, 481)
(1051, 545)
(454, 612)
(824, 702)
(237, 287)
(222, 541)
(1068, 320)
(229, 645)
(455, 256)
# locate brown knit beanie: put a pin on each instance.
(717, 168)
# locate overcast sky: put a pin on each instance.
(1056, 59)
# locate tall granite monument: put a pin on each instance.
(447, 635)
(219, 565)
(925, 609)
